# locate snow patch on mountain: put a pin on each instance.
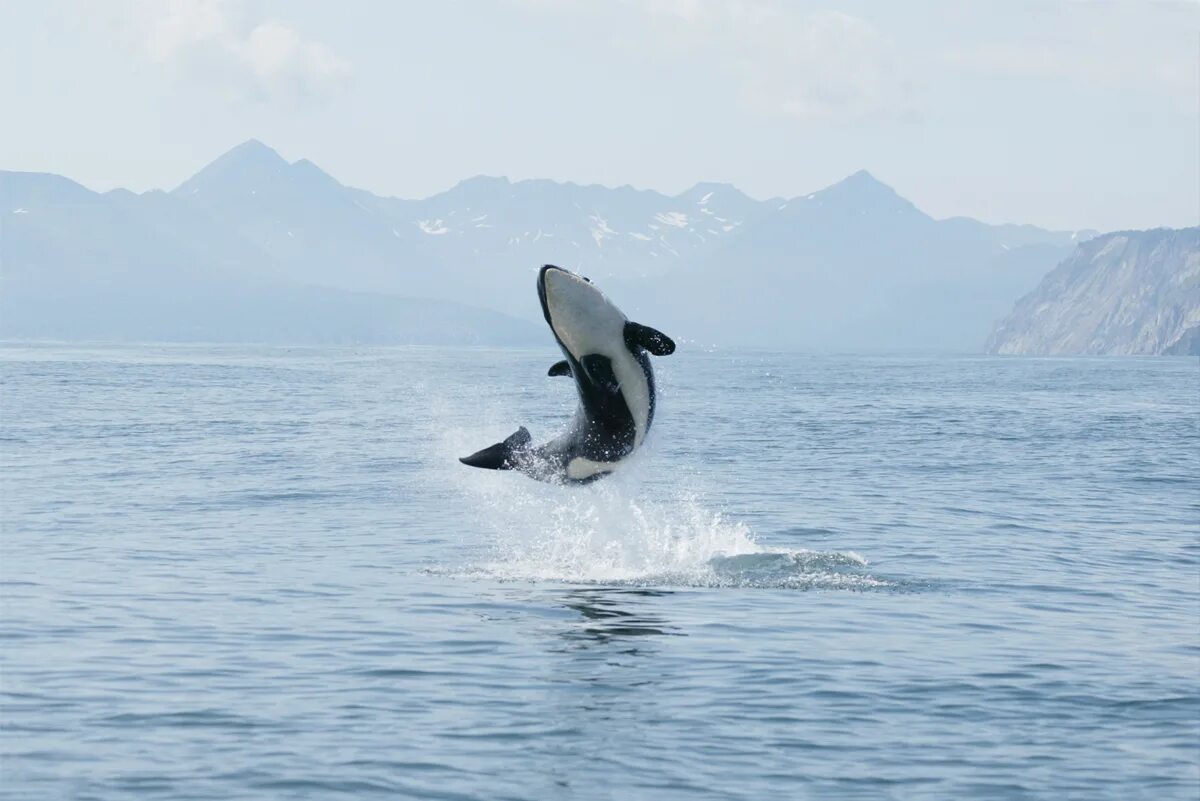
(435, 228)
(601, 230)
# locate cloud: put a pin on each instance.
(813, 65)
(821, 66)
(1143, 47)
(214, 40)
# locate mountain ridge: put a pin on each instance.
(856, 263)
(81, 265)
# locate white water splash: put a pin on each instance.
(601, 535)
(605, 534)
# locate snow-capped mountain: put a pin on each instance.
(470, 241)
(850, 266)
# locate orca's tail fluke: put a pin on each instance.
(503, 455)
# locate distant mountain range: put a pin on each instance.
(255, 248)
(1130, 292)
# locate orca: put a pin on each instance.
(606, 356)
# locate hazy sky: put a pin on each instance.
(1063, 114)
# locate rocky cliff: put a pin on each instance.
(1125, 293)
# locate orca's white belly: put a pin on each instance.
(586, 323)
(580, 468)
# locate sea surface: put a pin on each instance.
(261, 573)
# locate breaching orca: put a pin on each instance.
(606, 356)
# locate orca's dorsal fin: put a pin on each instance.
(560, 368)
(643, 336)
(502, 455)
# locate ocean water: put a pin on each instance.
(256, 573)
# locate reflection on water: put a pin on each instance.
(611, 613)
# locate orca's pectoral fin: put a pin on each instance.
(643, 336)
(502, 455)
(560, 368)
